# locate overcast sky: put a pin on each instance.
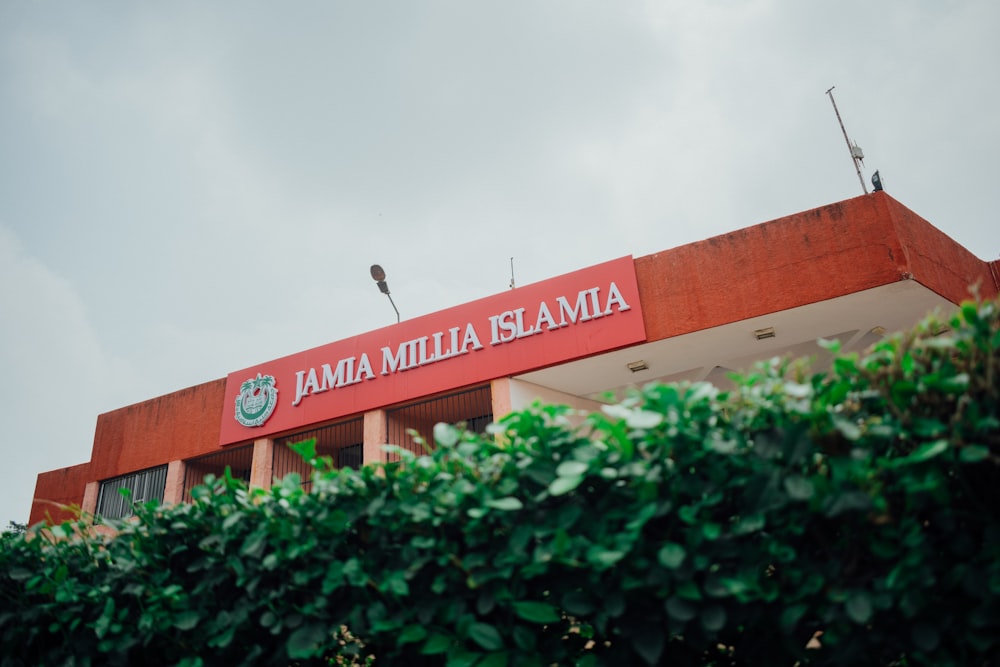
(190, 188)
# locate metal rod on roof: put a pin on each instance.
(854, 150)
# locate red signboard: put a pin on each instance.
(568, 317)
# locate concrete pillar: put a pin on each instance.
(90, 492)
(173, 493)
(500, 398)
(376, 435)
(262, 469)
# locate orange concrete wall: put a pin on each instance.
(812, 256)
(169, 428)
(56, 489)
(936, 260)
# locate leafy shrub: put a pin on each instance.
(842, 519)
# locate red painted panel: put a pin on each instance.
(568, 317)
(59, 494)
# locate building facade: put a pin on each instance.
(851, 271)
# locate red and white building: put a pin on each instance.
(853, 271)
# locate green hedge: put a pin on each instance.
(843, 519)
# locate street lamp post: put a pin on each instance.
(378, 275)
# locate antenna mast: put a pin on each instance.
(512, 273)
(857, 156)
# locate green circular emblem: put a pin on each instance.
(257, 400)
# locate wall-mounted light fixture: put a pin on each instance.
(761, 334)
(636, 366)
(378, 275)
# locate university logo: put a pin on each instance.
(257, 400)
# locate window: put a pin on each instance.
(144, 486)
(239, 460)
(341, 441)
(471, 407)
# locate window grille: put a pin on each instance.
(144, 485)
(471, 407)
(239, 460)
(342, 442)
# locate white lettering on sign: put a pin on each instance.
(345, 374)
(509, 325)
(415, 353)
(505, 327)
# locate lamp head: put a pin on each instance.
(378, 275)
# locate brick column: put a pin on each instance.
(173, 493)
(500, 398)
(376, 435)
(502, 404)
(262, 469)
(90, 492)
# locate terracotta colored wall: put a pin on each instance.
(57, 488)
(937, 261)
(172, 427)
(803, 258)
(831, 251)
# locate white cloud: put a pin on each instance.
(56, 376)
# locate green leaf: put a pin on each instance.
(846, 427)
(462, 658)
(494, 660)
(563, 485)
(859, 607)
(973, 453)
(923, 453)
(187, 620)
(525, 638)
(537, 612)
(906, 363)
(713, 618)
(798, 487)
(671, 555)
(507, 504)
(604, 558)
(680, 609)
(928, 428)
(847, 501)
(648, 643)
(306, 449)
(410, 634)
(733, 586)
(254, 545)
(689, 590)
(571, 468)
(306, 641)
(578, 603)
(643, 419)
(446, 435)
(486, 636)
(436, 643)
(749, 524)
(791, 617)
(104, 622)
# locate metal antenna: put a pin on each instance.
(512, 273)
(857, 156)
